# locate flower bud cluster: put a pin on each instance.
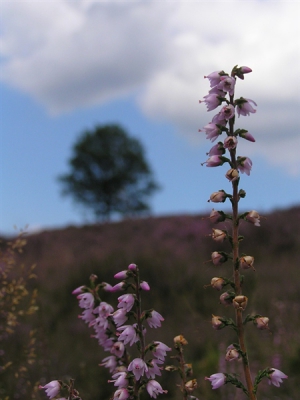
(118, 329)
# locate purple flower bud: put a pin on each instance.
(245, 70)
(246, 135)
(132, 267)
(216, 150)
(145, 286)
(214, 161)
(78, 290)
(121, 275)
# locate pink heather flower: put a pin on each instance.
(87, 316)
(121, 275)
(126, 301)
(230, 142)
(213, 161)
(86, 300)
(276, 377)
(160, 350)
(119, 316)
(121, 394)
(109, 362)
(52, 388)
(246, 135)
(128, 334)
(145, 286)
(106, 287)
(227, 84)
(154, 319)
(78, 290)
(231, 353)
(154, 389)
(153, 369)
(219, 119)
(216, 150)
(245, 70)
(118, 349)
(253, 217)
(138, 368)
(214, 78)
(119, 286)
(244, 107)
(212, 101)
(216, 216)
(104, 309)
(226, 113)
(132, 267)
(244, 165)
(121, 380)
(218, 258)
(216, 380)
(212, 131)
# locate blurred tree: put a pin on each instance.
(109, 173)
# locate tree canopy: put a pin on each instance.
(109, 173)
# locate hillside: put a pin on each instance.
(172, 253)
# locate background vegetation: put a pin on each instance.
(172, 253)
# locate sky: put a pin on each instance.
(66, 66)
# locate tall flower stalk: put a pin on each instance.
(222, 91)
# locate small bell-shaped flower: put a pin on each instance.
(261, 322)
(218, 235)
(226, 113)
(231, 353)
(218, 258)
(138, 367)
(253, 217)
(86, 300)
(216, 322)
(247, 262)
(244, 107)
(217, 380)
(230, 142)
(154, 319)
(244, 165)
(276, 376)
(52, 388)
(121, 394)
(215, 77)
(216, 216)
(212, 131)
(217, 283)
(154, 389)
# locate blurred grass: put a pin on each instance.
(171, 253)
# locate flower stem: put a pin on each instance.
(236, 271)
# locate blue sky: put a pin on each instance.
(69, 65)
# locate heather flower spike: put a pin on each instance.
(222, 90)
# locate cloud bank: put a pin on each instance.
(70, 55)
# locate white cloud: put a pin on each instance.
(69, 55)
